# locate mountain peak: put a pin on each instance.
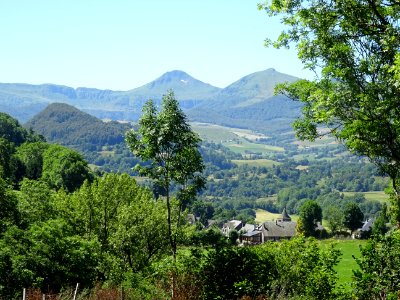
(175, 76)
(184, 86)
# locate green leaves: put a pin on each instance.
(353, 46)
(379, 276)
(64, 168)
(310, 214)
(353, 216)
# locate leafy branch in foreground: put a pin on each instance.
(354, 48)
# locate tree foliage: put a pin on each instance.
(169, 148)
(353, 46)
(378, 276)
(31, 156)
(310, 215)
(64, 168)
(352, 216)
(11, 130)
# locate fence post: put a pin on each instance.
(44, 297)
(76, 291)
(24, 294)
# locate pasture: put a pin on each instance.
(379, 196)
(238, 140)
(268, 163)
(264, 215)
(347, 263)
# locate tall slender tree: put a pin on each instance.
(168, 148)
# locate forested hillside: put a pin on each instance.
(65, 124)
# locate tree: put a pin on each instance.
(48, 256)
(334, 216)
(11, 130)
(31, 156)
(9, 214)
(139, 238)
(64, 168)
(379, 228)
(353, 47)
(310, 215)
(352, 216)
(378, 274)
(166, 144)
(34, 202)
(7, 161)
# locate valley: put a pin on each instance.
(254, 166)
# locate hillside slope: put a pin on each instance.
(64, 124)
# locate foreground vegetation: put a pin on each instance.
(62, 224)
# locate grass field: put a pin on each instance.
(256, 162)
(264, 215)
(213, 133)
(347, 263)
(236, 139)
(243, 146)
(376, 196)
(349, 248)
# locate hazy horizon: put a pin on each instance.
(126, 44)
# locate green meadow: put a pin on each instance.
(380, 196)
(238, 140)
(256, 162)
(347, 263)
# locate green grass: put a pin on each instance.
(348, 248)
(106, 153)
(347, 263)
(213, 133)
(264, 215)
(379, 196)
(256, 162)
(237, 139)
(272, 198)
(243, 146)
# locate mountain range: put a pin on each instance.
(247, 103)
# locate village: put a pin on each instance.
(282, 228)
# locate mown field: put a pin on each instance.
(347, 263)
(238, 140)
(380, 196)
(268, 163)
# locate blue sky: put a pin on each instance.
(121, 45)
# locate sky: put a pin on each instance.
(124, 44)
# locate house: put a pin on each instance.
(365, 230)
(252, 237)
(278, 230)
(248, 228)
(281, 228)
(230, 226)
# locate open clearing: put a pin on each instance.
(379, 196)
(256, 162)
(264, 215)
(243, 146)
(347, 263)
(237, 139)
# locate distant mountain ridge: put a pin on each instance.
(249, 102)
